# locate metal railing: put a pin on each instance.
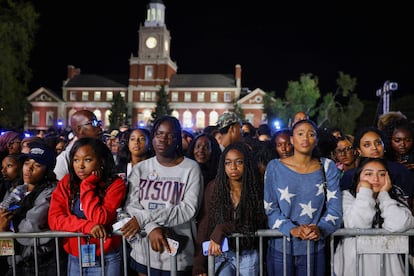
(369, 241)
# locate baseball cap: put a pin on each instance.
(226, 119)
(42, 154)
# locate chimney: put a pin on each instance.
(72, 72)
(238, 75)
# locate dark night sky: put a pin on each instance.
(274, 41)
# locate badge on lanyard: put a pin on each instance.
(88, 254)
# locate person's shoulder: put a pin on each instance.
(188, 160)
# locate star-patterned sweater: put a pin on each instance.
(292, 199)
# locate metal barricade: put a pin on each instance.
(56, 235)
(370, 241)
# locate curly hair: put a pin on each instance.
(249, 214)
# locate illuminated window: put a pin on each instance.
(109, 96)
(187, 119)
(213, 96)
(85, 96)
(72, 95)
(213, 117)
(50, 118)
(97, 96)
(187, 96)
(149, 72)
(122, 93)
(200, 119)
(200, 96)
(174, 96)
(35, 118)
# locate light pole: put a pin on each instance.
(385, 93)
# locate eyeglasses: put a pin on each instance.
(344, 150)
(94, 123)
(237, 162)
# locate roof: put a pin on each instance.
(202, 80)
(91, 80)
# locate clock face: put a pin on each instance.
(151, 42)
(166, 45)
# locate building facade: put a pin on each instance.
(196, 99)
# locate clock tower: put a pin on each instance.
(153, 66)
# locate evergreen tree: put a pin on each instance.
(162, 106)
(18, 24)
(119, 113)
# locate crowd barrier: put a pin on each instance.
(369, 241)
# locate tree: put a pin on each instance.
(342, 108)
(238, 110)
(162, 106)
(18, 24)
(119, 112)
(300, 95)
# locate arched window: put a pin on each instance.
(213, 117)
(200, 119)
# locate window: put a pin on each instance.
(97, 96)
(187, 96)
(72, 95)
(85, 95)
(249, 117)
(213, 117)
(227, 96)
(187, 119)
(200, 119)
(149, 72)
(200, 96)
(213, 97)
(122, 93)
(149, 96)
(35, 118)
(109, 96)
(50, 118)
(174, 96)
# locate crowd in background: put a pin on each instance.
(233, 177)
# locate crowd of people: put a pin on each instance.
(186, 193)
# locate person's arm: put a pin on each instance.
(36, 218)
(359, 211)
(331, 220)
(60, 216)
(275, 217)
(101, 211)
(397, 217)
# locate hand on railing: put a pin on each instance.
(306, 232)
(99, 231)
(131, 228)
(158, 240)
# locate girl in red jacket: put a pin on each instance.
(85, 201)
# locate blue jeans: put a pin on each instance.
(226, 264)
(295, 265)
(112, 266)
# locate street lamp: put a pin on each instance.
(385, 93)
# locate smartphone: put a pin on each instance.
(13, 207)
(224, 246)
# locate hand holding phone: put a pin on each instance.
(224, 246)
